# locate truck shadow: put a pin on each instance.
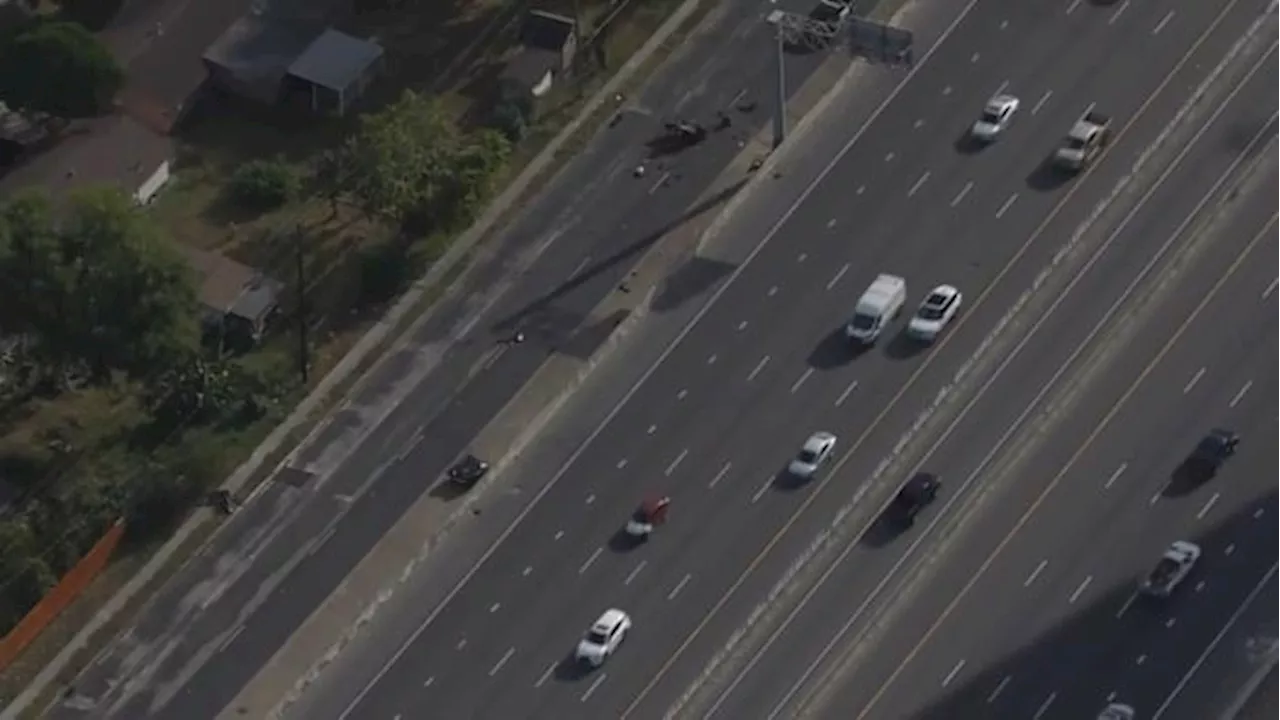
(835, 350)
(1047, 177)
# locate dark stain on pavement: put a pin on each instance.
(691, 279)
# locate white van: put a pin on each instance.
(878, 306)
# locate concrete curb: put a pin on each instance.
(1251, 686)
(371, 342)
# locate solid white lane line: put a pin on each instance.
(1040, 103)
(1035, 573)
(1005, 207)
(546, 675)
(845, 395)
(1208, 506)
(999, 689)
(1044, 706)
(963, 191)
(320, 541)
(1163, 21)
(1217, 640)
(759, 366)
(720, 475)
(763, 489)
(1128, 603)
(1270, 289)
(231, 638)
(1192, 382)
(919, 183)
(1115, 476)
(679, 586)
(498, 666)
(954, 672)
(1240, 395)
(676, 463)
(1072, 7)
(804, 376)
(635, 572)
(590, 560)
(839, 275)
(1079, 590)
(593, 687)
(1119, 11)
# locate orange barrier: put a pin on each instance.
(62, 594)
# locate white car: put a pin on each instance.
(603, 637)
(815, 451)
(937, 310)
(995, 118)
(1117, 711)
(1173, 568)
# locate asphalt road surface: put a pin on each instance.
(1034, 613)
(223, 616)
(714, 421)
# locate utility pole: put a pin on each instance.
(300, 280)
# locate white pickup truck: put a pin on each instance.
(1088, 136)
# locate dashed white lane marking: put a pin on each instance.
(963, 191)
(847, 391)
(593, 687)
(861, 189)
(974, 57)
(582, 265)
(773, 291)
(1007, 204)
(1270, 289)
(591, 499)
(1140, 659)
(919, 184)
(679, 586)
(720, 475)
(652, 429)
(1035, 573)
(1111, 696)
(461, 644)
(622, 463)
(839, 274)
(231, 638)
(888, 157)
(1199, 586)
(1004, 24)
(546, 675)
(429, 682)
(831, 223)
(1072, 7)
(1119, 11)
(742, 326)
(763, 489)
(1044, 706)
(954, 672)
(676, 463)
(559, 534)
(662, 180)
(919, 123)
(497, 667)
(711, 359)
(1115, 476)
(1259, 513)
(1003, 86)
(1192, 382)
(1229, 549)
(1040, 103)
(682, 394)
(1163, 21)
(590, 560)
(1155, 498)
(800, 381)
(1084, 584)
(1242, 392)
(632, 575)
(495, 607)
(946, 90)
(999, 688)
(528, 570)
(802, 257)
(1208, 506)
(759, 366)
(1128, 603)
(1170, 622)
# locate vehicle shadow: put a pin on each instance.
(835, 350)
(571, 669)
(884, 530)
(1047, 177)
(967, 144)
(904, 347)
(447, 491)
(622, 542)
(1183, 481)
(785, 481)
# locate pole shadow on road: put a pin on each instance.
(1092, 656)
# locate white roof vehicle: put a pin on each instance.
(879, 304)
(935, 313)
(1172, 569)
(815, 451)
(1117, 711)
(995, 118)
(603, 637)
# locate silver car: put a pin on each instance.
(815, 451)
(996, 117)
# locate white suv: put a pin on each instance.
(603, 637)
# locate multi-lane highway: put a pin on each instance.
(717, 416)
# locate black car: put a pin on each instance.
(468, 471)
(1213, 451)
(919, 492)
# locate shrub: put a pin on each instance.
(264, 184)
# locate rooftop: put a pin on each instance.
(335, 60)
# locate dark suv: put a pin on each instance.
(916, 495)
(468, 471)
(1209, 456)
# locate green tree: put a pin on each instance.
(475, 170)
(263, 184)
(29, 250)
(59, 68)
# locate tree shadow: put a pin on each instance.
(835, 350)
(1048, 176)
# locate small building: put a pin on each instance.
(548, 42)
(334, 70)
(238, 301)
(252, 58)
